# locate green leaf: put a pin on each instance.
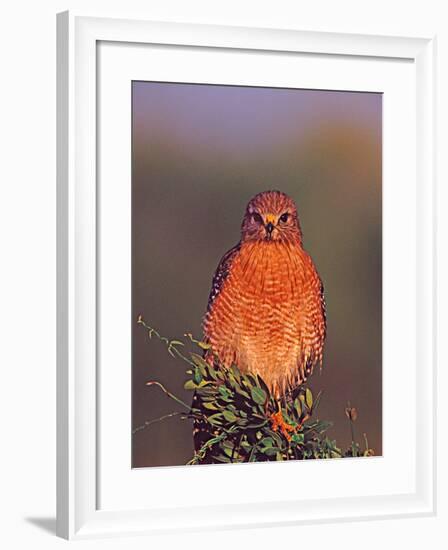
(271, 451)
(212, 373)
(206, 389)
(241, 392)
(262, 384)
(221, 458)
(235, 372)
(226, 397)
(298, 438)
(197, 376)
(258, 395)
(189, 385)
(229, 416)
(267, 442)
(298, 407)
(228, 451)
(210, 406)
(198, 360)
(309, 398)
(215, 419)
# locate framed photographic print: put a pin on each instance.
(236, 210)
(207, 154)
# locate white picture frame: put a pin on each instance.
(79, 511)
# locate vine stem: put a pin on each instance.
(177, 400)
(153, 421)
(168, 393)
(352, 431)
(172, 345)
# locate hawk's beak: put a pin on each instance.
(269, 229)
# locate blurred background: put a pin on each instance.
(200, 152)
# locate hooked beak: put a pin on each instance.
(269, 229)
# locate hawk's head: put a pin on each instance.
(271, 216)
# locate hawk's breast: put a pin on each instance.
(262, 317)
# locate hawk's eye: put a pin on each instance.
(257, 217)
(284, 217)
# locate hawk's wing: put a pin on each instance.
(315, 327)
(202, 431)
(221, 273)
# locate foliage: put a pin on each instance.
(243, 421)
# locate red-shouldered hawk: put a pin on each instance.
(266, 309)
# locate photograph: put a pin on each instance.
(256, 274)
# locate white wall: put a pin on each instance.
(27, 252)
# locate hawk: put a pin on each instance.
(266, 309)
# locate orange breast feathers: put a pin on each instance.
(267, 314)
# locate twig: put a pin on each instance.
(172, 345)
(169, 394)
(149, 422)
(201, 453)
